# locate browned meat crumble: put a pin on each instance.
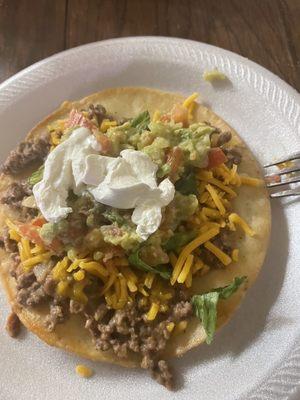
(26, 154)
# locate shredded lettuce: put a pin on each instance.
(187, 184)
(178, 240)
(113, 216)
(205, 305)
(36, 176)
(135, 260)
(141, 122)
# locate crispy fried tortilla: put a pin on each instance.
(252, 204)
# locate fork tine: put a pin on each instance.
(285, 193)
(292, 157)
(284, 171)
(286, 182)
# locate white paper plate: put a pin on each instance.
(257, 355)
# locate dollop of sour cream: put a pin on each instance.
(124, 182)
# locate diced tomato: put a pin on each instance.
(31, 232)
(39, 221)
(174, 159)
(216, 157)
(105, 142)
(180, 114)
(165, 118)
(76, 118)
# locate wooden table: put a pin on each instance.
(266, 31)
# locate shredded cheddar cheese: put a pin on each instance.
(83, 371)
(210, 212)
(204, 237)
(153, 311)
(180, 327)
(235, 255)
(223, 257)
(156, 116)
(149, 279)
(106, 124)
(31, 262)
(199, 264)
(188, 101)
(235, 219)
(247, 180)
(13, 235)
(189, 279)
(79, 275)
(186, 269)
(170, 326)
(216, 199)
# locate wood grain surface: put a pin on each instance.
(266, 31)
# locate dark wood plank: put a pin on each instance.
(252, 28)
(290, 13)
(30, 30)
(266, 31)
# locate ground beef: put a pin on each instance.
(162, 373)
(30, 292)
(27, 153)
(97, 112)
(181, 310)
(233, 156)
(58, 314)
(13, 325)
(41, 271)
(112, 252)
(25, 280)
(127, 330)
(100, 312)
(32, 296)
(76, 307)
(16, 193)
(14, 269)
(223, 242)
(14, 196)
(49, 286)
(9, 245)
(223, 138)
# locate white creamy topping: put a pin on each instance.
(125, 182)
(64, 168)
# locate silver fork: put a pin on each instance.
(282, 172)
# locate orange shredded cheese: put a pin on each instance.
(223, 257)
(106, 124)
(79, 275)
(186, 269)
(204, 237)
(216, 199)
(235, 255)
(156, 116)
(210, 212)
(180, 327)
(94, 268)
(235, 219)
(247, 180)
(149, 279)
(31, 262)
(170, 326)
(153, 311)
(189, 100)
(83, 371)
